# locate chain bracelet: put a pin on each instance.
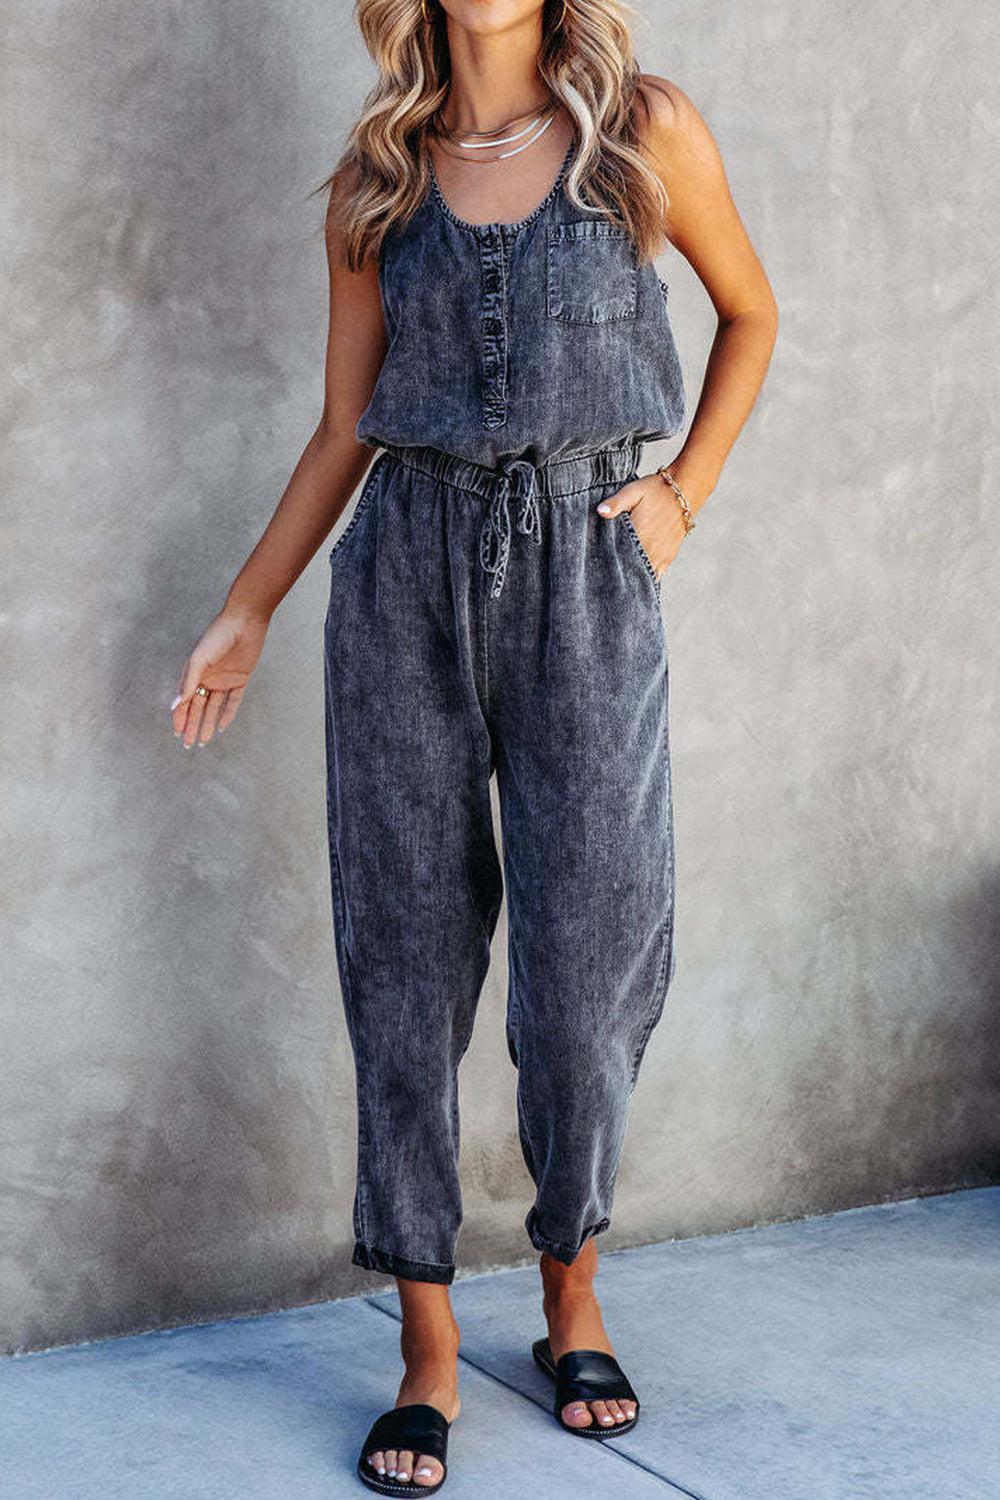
(686, 516)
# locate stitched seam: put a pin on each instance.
(647, 1030)
(643, 554)
(436, 1265)
(494, 354)
(363, 501)
(659, 993)
(485, 595)
(505, 362)
(598, 1224)
(588, 229)
(360, 1216)
(628, 315)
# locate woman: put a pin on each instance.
(497, 328)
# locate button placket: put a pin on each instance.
(493, 300)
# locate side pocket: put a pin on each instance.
(364, 499)
(644, 557)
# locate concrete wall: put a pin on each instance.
(177, 1089)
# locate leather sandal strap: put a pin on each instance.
(591, 1375)
(418, 1428)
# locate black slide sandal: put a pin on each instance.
(417, 1429)
(587, 1375)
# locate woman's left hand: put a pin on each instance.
(655, 514)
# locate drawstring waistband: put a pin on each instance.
(519, 479)
(494, 539)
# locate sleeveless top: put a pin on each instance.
(538, 340)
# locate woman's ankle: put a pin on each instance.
(432, 1349)
(564, 1283)
(429, 1327)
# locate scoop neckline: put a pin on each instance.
(499, 224)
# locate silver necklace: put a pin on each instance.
(478, 161)
(535, 128)
(503, 140)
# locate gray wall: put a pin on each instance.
(177, 1089)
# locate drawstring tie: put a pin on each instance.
(495, 537)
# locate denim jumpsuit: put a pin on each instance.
(484, 619)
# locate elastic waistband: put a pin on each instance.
(557, 477)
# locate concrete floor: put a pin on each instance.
(838, 1358)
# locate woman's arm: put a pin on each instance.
(702, 222)
(333, 462)
(329, 470)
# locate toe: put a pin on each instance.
(615, 1410)
(628, 1407)
(576, 1414)
(377, 1461)
(404, 1465)
(428, 1470)
(390, 1462)
(603, 1416)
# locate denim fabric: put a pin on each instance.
(540, 339)
(557, 682)
(483, 619)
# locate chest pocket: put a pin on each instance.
(591, 270)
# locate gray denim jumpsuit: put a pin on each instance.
(484, 618)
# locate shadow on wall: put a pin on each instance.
(214, 1169)
(183, 1159)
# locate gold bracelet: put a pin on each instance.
(686, 516)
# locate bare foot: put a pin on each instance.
(574, 1319)
(429, 1342)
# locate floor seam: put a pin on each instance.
(607, 1448)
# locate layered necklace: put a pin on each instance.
(533, 126)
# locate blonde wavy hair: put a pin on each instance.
(586, 59)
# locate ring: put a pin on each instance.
(202, 690)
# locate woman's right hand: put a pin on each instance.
(222, 661)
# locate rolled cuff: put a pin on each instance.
(562, 1252)
(373, 1259)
